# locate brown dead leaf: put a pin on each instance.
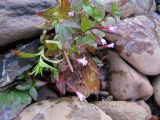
(84, 79)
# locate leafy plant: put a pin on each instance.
(79, 27)
(12, 102)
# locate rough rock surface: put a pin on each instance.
(138, 42)
(18, 19)
(125, 83)
(63, 109)
(156, 89)
(121, 110)
(129, 8)
(11, 65)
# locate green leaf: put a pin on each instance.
(64, 35)
(24, 54)
(53, 44)
(73, 49)
(49, 14)
(55, 76)
(93, 12)
(84, 22)
(24, 86)
(100, 6)
(76, 5)
(39, 67)
(48, 60)
(90, 40)
(70, 24)
(12, 102)
(39, 83)
(85, 2)
(115, 10)
(33, 93)
(45, 65)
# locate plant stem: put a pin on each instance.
(68, 61)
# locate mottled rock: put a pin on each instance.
(121, 110)
(63, 109)
(125, 83)
(129, 8)
(138, 42)
(18, 19)
(156, 89)
(11, 65)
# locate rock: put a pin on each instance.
(156, 89)
(18, 19)
(63, 109)
(45, 93)
(146, 107)
(138, 42)
(11, 65)
(125, 83)
(121, 110)
(129, 8)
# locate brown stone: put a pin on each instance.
(138, 42)
(125, 83)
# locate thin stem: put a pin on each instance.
(68, 61)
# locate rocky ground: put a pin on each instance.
(131, 90)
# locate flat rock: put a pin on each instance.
(121, 110)
(129, 8)
(11, 65)
(138, 42)
(19, 20)
(125, 83)
(63, 109)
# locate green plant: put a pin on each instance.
(78, 28)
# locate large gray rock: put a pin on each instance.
(121, 110)
(63, 109)
(138, 42)
(125, 83)
(18, 20)
(11, 65)
(129, 8)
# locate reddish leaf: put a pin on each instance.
(61, 84)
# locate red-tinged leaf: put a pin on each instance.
(64, 6)
(61, 84)
(24, 54)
